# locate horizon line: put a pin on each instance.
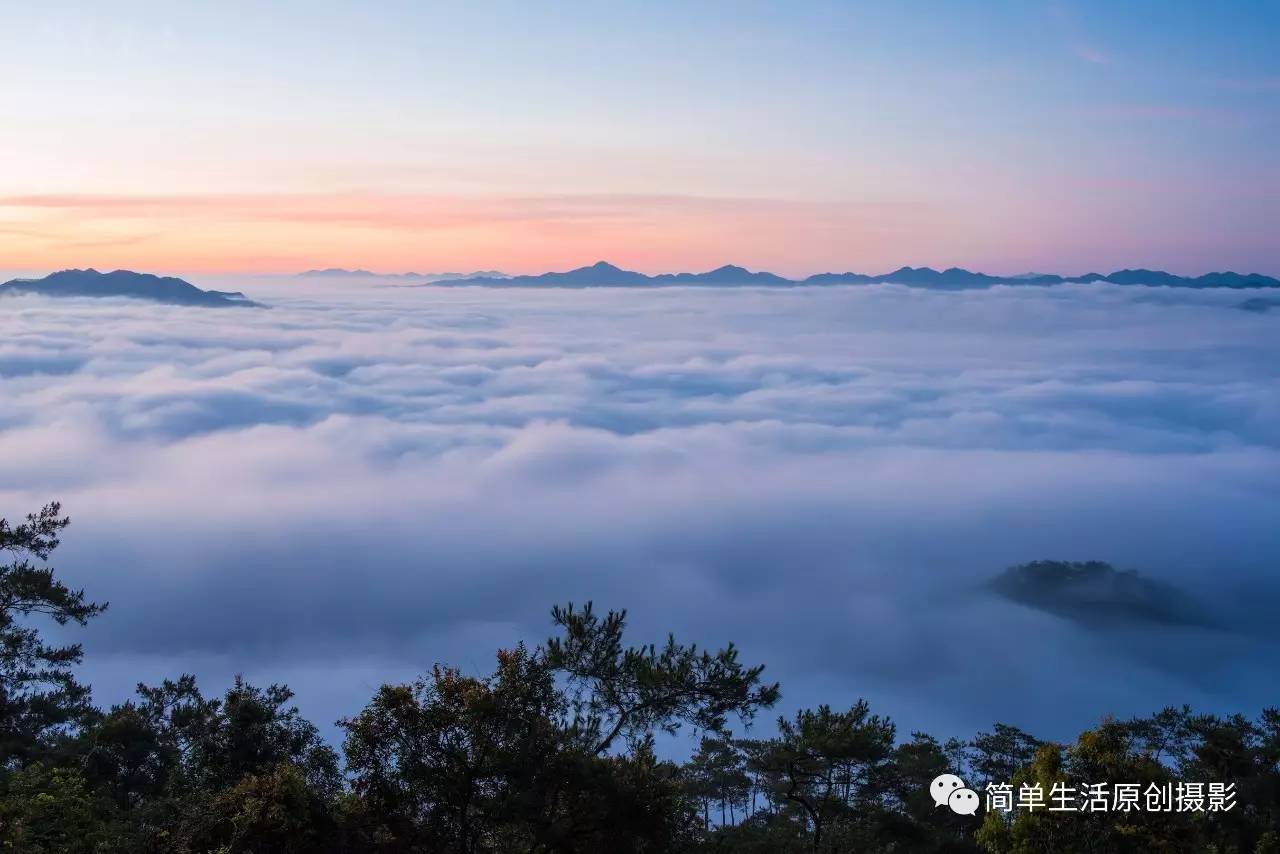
(479, 270)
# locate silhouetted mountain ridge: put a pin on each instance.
(604, 274)
(340, 273)
(124, 283)
(726, 275)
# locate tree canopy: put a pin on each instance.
(560, 750)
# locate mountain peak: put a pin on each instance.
(604, 274)
(121, 283)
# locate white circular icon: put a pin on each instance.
(963, 802)
(942, 787)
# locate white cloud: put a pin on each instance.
(379, 479)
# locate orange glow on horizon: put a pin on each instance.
(284, 233)
(392, 233)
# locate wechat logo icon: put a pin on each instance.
(949, 790)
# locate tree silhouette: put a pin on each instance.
(556, 751)
(40, 699)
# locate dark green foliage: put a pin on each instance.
(554, 753)
(52, 811)
(716, 776)
(827, 766)
(517, 762)
(40, 700)
(631, 691)
(456, 763)
(835, 781)
(994, 756)
(182, 773)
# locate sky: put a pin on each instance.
(359, 482)
(798, 137)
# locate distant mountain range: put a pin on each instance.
(124, 283)
(339, 273)
(603, 274)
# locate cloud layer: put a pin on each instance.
(358, 483)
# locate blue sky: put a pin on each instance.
(801, 137)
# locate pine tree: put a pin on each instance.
(40, 700)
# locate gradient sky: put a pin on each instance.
(798, 137)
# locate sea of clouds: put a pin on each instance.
(358, 482)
